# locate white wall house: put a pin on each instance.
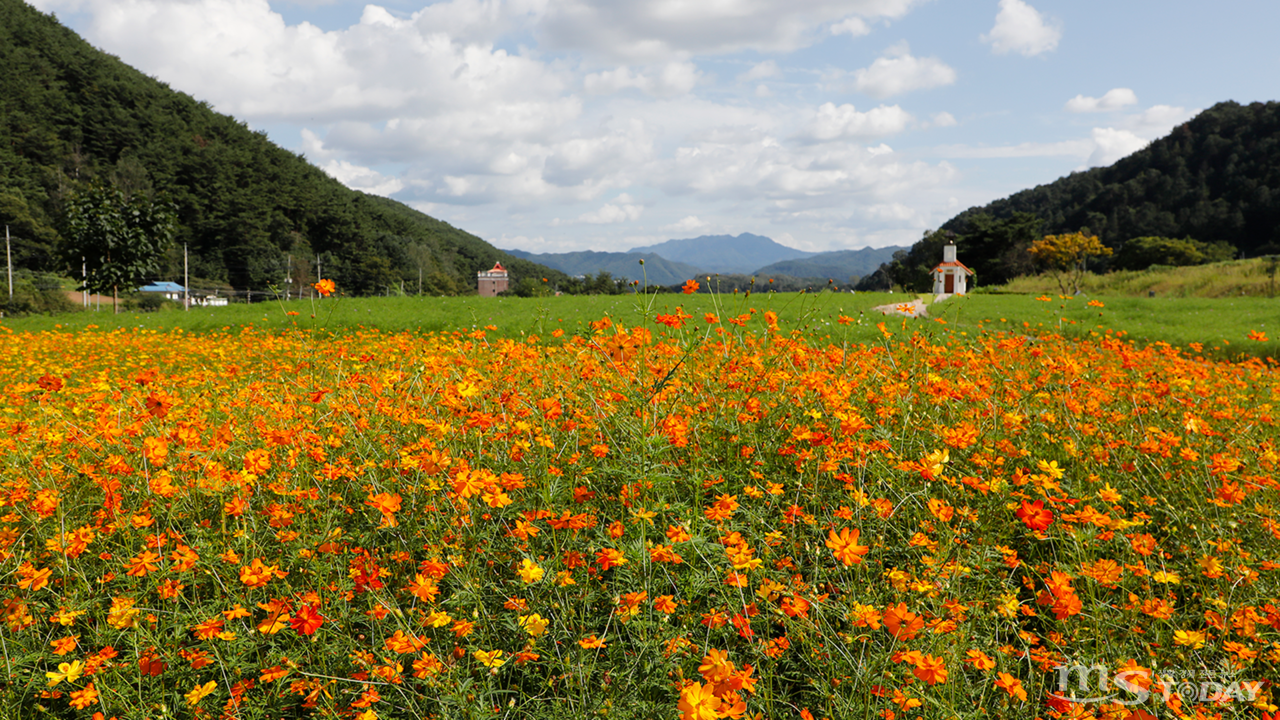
(950, 277)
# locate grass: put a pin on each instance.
(1221, 325)
(1254, 277)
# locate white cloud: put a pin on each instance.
(760, 71)
(363, 178)
(943, 119)
(690, 223)
(1158, 120)
(1115, 99)
(675, 78)
(1103, 147)
(846, 123)
(1110, 145)
(898, 72)
(621, 211)
(853, 26)
(1022, 29)
(1080, 148)
(653, 31)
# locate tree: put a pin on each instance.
(120, 240)
(1143, 252)
(1065, 255)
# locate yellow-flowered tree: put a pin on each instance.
(1064, 256)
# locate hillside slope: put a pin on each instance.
(252, 213)
(1214, 179)
(839, 265)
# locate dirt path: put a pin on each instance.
(94, 300)
(908, 308)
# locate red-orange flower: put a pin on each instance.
(307, 620)
(1035, 515)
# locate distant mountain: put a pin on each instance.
(725, 253)
(657, 270)
(837, 265)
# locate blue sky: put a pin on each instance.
(560, 125)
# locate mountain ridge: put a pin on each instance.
(743, 253)
(251, 213)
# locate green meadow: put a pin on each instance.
(1221, 325)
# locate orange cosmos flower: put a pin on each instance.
(690, 287)
(256, 574)
(325, 287)
(388, 504)
(62, 646)
(81, 699)
(144, 563)
(609, 557)
(979, 660)
(665, 604)
(272, 674)
(845, 546)
(931, 669)
(1035, 515)
(1011, 685)
(901, 623)
(592, 642)
(698, 702)
(307, 620)
(716, 666)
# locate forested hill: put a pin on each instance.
(252, 213)
(1214, 178)
(1213, 184)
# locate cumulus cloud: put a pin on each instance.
(623, 210)
(1022, 29)
(1158, 120)
(1111, 144)
(689, 223)
(1104, 146)
(650, 31)
(676, 78)
(897, 72)
(761, 71)
(845, 122)
(797, 179)
(853, 27)
(363, 178)
(1114, 100)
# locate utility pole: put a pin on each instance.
(288, 274)
(8, 256)
(419, 279)
(186, 281)
(84, 275)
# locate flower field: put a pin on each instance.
(699, 518)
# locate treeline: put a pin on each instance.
(604, 283)
(1209, 190)
(252, 215)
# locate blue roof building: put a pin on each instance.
(170, 290)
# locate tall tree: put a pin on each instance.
(1065, 255)
(120, 240)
